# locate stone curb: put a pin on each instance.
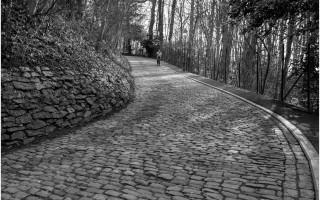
(307, 147)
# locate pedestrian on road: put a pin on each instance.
(159, 54)
(144, 52)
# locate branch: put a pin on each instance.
(264, 44)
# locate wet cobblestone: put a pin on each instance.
(178, 140)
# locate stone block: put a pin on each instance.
(47, 73)
(79, 114)
(50, 128)
(18, 135)
(36, 124)
(66, 78)
(76, 120)
(25, 69)
(35, 80)
(17, 128)
(77, 107)
(87, 114)
(70, 110)
(8, 119)
(24, 119)
(51, 109)
(28, 105)
(113, 101)
(35, 93)
(23, 86)
(19, 101)
(86, 91)
(40, 86)
(38, 69)
(63, 113)
(42, 115)
(90, 101)
(59, 123)
(26, 74)
(71, 115)
(4, 137)
(8, 124)
(57, 115)
(28, 140)
(12, 94)
(71, 97)
(31, 133)
(16, 113)
(81, 96)
(65, 124)
(21, 79)
(5, 77)
(35, 74)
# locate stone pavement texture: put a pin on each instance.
(308, 123)
(178, 140)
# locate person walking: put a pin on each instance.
(144, 52)
(159, 54)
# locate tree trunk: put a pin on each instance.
(154, 2)
(280, 53)
(226, 32)
(209, 38)
(173, 9)
(269, 49)
(248, 61)
(257, 70)
(160, 22)
(266, 74)
(103, 28)
(181, 10)
(288, 52)
(217, 44)
(191, 32)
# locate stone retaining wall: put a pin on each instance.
(38, 100)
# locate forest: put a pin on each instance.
(267, 46)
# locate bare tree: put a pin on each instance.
(160, 20)
(173, 10)
(152, 19)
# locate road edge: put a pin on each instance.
(308, 149)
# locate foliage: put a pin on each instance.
(302, 17)
(258, 12)
(135, 32)
(63, 33)
(151, 46)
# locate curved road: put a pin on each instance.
(178, 140)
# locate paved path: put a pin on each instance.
(178, 140)
(308, 123)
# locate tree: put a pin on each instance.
(255, 44)
(152, 20)
(207, 25)
(160, 22)
(191, 33)
(173, 10)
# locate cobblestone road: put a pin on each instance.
(178, 140)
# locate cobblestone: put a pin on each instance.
(178, 140)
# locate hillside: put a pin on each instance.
(53, 78)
